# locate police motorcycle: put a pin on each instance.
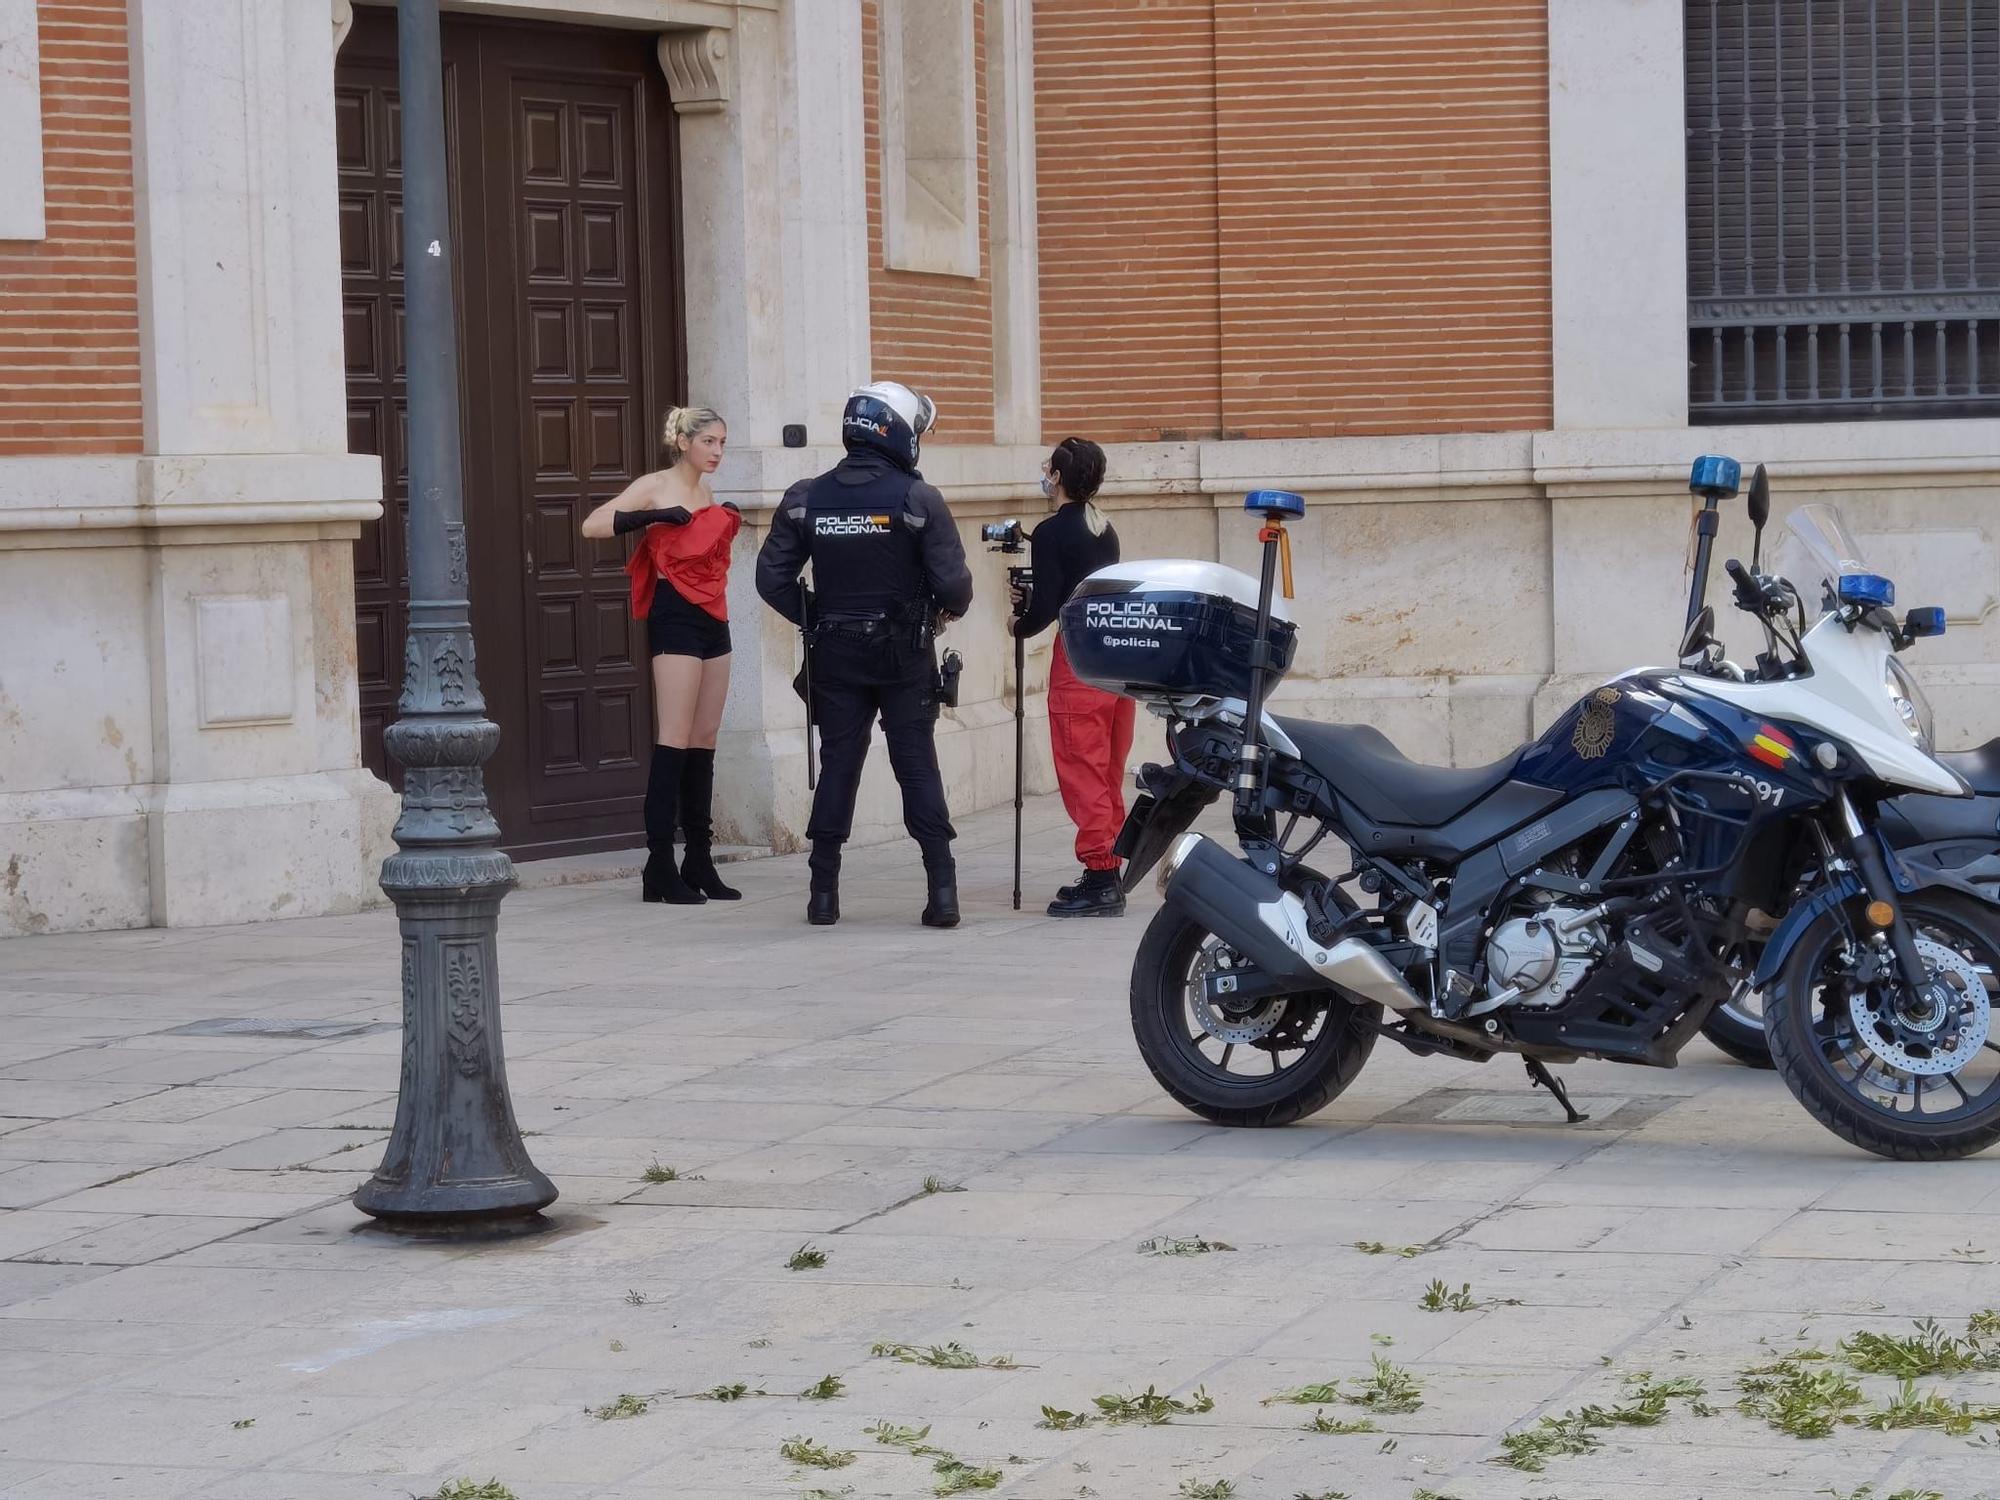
(1590, 895)
(1956, 839)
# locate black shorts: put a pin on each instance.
(678, 628)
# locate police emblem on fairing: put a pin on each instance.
(1596, 725)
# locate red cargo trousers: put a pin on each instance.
(1091, 734)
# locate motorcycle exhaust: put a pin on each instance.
(1267, 925)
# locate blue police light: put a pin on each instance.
(1275, 503)
(1871, 590)
(1715, 475)
(1924, 622)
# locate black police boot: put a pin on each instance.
(941, 876)
(823, 899)
(1099, 894)
(697, 821)
(661, 881)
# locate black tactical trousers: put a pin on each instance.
(855, 678)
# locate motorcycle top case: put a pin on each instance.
(1170, 631)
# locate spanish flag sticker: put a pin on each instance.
(1772, 746)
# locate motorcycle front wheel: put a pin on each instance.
(1268, 1061)
(1736, 1027)
(1913, 1077)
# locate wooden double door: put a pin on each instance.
(564, 190)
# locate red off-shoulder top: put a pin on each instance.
(694, 558)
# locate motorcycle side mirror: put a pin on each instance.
(1700, 631)
(1759, 507)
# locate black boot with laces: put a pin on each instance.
(1099, 894)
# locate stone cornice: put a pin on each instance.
(96, 494)
(1454, 466)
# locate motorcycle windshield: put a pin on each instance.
(1827, 543)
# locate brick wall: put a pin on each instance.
(1364, 250)
(931, 332)
(69, 304)
(1125, 182)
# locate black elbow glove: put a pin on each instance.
(638, 520)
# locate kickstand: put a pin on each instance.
(1539, 1076)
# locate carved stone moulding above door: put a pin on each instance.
(696, 63)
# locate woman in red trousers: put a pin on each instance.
(680, 583)
(1089, 730)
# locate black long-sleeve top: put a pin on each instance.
(1063, 553)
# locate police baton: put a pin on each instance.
(806, 672)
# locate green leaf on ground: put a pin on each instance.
(891, 1435)
(1438, 1297)
(624, 1406)
(806, 1258)
(1057, 1420)
(1334, 1427)
(1797, 1395)
(956, 1477)
(1376, 1247)
(1167, 1245)
(1530, 1449)
(1150, 1408)
(1910, 1407)
(814, 1455)
(952, 1356)
(1928, 1351)
(1386, 1388)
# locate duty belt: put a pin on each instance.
(857, 627)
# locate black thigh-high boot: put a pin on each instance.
(661, 881)
(698, 823)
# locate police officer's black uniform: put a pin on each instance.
(886, 560)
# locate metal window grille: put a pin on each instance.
(1843, 209)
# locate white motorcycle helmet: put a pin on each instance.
(889, 418)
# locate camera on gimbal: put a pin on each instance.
(1005, 537)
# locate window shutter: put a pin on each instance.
(1843, 209)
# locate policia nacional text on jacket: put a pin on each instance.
(887, 563)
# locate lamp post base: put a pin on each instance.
(455, 1156)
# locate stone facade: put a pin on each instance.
(1462, 334)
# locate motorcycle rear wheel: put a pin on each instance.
(1844, 1052)
(1315, 1042)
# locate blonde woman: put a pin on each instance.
(680, 587)
(1090, 731)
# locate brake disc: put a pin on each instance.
(1250, 1025)
(1957, 1038)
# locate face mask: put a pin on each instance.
(1048, 488)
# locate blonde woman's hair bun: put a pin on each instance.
(683, 422)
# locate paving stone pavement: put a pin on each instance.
(189, 1307)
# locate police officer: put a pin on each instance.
(887, 566)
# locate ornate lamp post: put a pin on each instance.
(456, 1159)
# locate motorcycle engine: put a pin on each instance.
(1543, 956)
